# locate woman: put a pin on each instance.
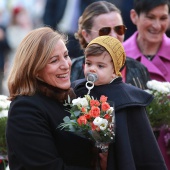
(39, 83)
(149, 44)
(104, 18)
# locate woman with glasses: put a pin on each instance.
(104, 18)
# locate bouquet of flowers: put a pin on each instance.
(159, 109)
(92, 119)
(4, 106)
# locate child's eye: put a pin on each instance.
(100, 66)
(88, 64)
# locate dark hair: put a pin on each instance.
(95, 50)
(87, 18)
(145, 6)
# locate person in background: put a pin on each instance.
(135, 146)
(4, 48)
(20, 24)
(104, 18)
(149, 44)
(39, 83)
(125, 10)
(63, 16)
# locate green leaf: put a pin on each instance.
(3, 147)
(69, 100)
(66, 119)
(77, 113)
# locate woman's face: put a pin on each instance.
(102, 65)
(57, 70)
(152, 25)
(111, 19)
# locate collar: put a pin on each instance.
(164, 49)
(54, 92)
(133, 50)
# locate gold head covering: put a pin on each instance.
(114, 48)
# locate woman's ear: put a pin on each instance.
(85, 35)
(133, 16)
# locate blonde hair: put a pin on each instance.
(87, 19)
(31, 56)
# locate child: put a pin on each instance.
(135, 146)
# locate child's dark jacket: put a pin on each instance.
(135, 146)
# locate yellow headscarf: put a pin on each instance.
(114, 48)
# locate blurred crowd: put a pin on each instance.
(17, 18)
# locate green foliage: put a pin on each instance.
(3, 147)
(159, 110)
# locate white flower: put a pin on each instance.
(101, 123)
(3, 97)
(4, 105)
(97, 121)
(148, 91)
(80, 102)
(110, 110)
(162, 87)
(3, 113)
(104, 124)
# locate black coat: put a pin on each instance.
(135, 146)
(35, 143)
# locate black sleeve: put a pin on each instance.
(143, 142)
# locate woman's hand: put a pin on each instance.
(103, 160)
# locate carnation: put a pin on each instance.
(80, 102)
(97, 121)
(159, 109)
(104, 124)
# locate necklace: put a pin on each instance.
(149, 57)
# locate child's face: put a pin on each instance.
(102, 65)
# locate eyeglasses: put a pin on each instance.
(120, 30)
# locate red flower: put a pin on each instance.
(95, 111)
(88, 116)
(107, 116)
(94, 103)
(82, 120)
(83, 110)
(105, 106)
(94, 127)
(103, 99)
